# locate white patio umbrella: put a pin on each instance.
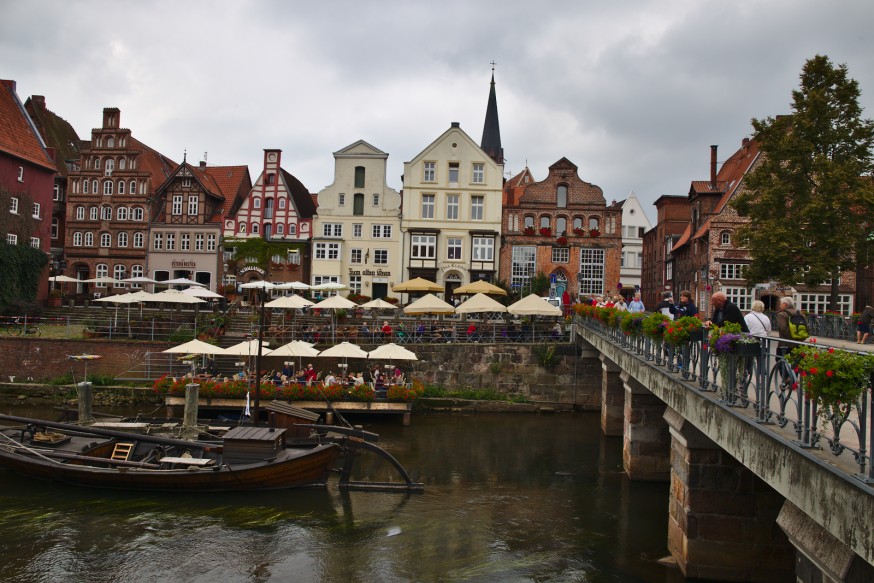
(418, 284)
(196, 347)
(289, 302)
(140, 279)
(379, 304)
(480, 287)
(63, 279)
(181, 281)
(137, 297)
(173, 296)
(296, 348)
(480, 303)
(247, 348)
(334, 303)
(534, 305)
(201, 292)
(298, 285)
(392, 351)
(102, 279)
(429, 304)
(344, 351)
(330, 286)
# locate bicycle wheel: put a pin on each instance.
(16, 329)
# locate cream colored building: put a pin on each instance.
(634, 224)
(452, 212)
(356, 228)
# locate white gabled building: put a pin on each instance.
(452, 212)
(357, 226)
(634, 224)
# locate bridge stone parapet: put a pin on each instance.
(763, 460)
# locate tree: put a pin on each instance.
(810, 195)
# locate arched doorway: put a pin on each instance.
(771, 301)
(557, 283)
(451, 281)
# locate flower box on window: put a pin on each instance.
(545, 231)
(528, 231)
(579, 232)
(561, 241)
(594, 233)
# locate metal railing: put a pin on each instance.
(766, 385)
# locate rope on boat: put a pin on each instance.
(11, 445)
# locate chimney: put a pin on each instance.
(203, 164)
(39, 101)
(713, 167)
(456, 124)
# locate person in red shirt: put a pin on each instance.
(386, 330)
(310, 374)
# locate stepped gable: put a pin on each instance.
(563, 172)
(19, 136)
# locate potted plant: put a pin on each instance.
(546, 231)
(561, 241)
(683, 331)
(654, 326)
(631, 323)
(528, 231)
(579, 232)
(834, 378)
(594, 233)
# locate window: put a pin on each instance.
(89, 239)
(242, 228)
(56, 193)
(137, 214)
(105, 240)
(479, 174)
(185, 242)
(529, 221)
(320, 279)
(255, 228)
(280, 229)
(561, 255)
(483, 249)
(211, 242)
(452, 207)
(101, 270)
(740, 296)
(732, 271)
(193, 202)
(118, 273)
(36, 209)
(356, 230)
(359, 177)
(139, 240)
(34, 242)
(725, 238)
(271, 179)
(375, 199)
(355, 284)
(380, 256)
(358, 204)
(453, 172)
(55, 228)
(268, 208)
(93, 213)
(77, 239)
(591, 277)
(80, 213)
(281, 203)
(133, 187)
(158, 241)
(198, 241)
(13, 205)
(136, 271)
(292, 228)
(109, 167)
(341, 199)
(818, 303)
(382, 231)
(476, 208)
(122, 239)
(423, 246)
(594, 223)
(85, 184)
(21, 174)
(94, 187)
(107, 187)
(430, 169)
(453, 248)
(561, 196)
(332, 230)
(186, 182)
(171, 241)
(560, 226)
(122, 163)
(121, 213)
(544, 223)
(327, 250)
(256, 202)
(522, 266)
(110, 143)
(176, 207)
(427, 206)
(12, 238)
(106, 213)
(355, 256)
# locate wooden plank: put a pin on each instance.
(191, 461)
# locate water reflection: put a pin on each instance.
(508, 498)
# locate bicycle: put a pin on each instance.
(18, 326)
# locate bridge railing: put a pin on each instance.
(768, 387)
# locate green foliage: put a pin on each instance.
(546, 356)
(631, 323)
(654, 325)
(680, 331)
(21, 266)
(810, 194)
(539, 284)
(835, 378)
(257, 248)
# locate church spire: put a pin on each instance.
(491, 142)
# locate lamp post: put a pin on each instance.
(261, 287)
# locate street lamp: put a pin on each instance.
(261, 287)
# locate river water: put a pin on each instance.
(507, 498)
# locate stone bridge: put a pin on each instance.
(759, 490)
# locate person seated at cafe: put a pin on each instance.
(331, 380)
(357, 379)
(367, 376)
(378, 381)
(472, 332)
(365, 331)
(386, 330)
(398, 376)
(286, 370)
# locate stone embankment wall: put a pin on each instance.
(509, 368)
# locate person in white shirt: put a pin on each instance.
(758, 323)
(330, 380)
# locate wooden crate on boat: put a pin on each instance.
(251, 444)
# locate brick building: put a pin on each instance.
(563, 228)
(672, 217)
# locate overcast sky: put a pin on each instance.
(633, 92)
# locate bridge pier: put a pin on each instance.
(612, 399)
(647, 441)
(722, 517)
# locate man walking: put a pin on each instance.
(725, 311)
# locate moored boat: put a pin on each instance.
(245, 458)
